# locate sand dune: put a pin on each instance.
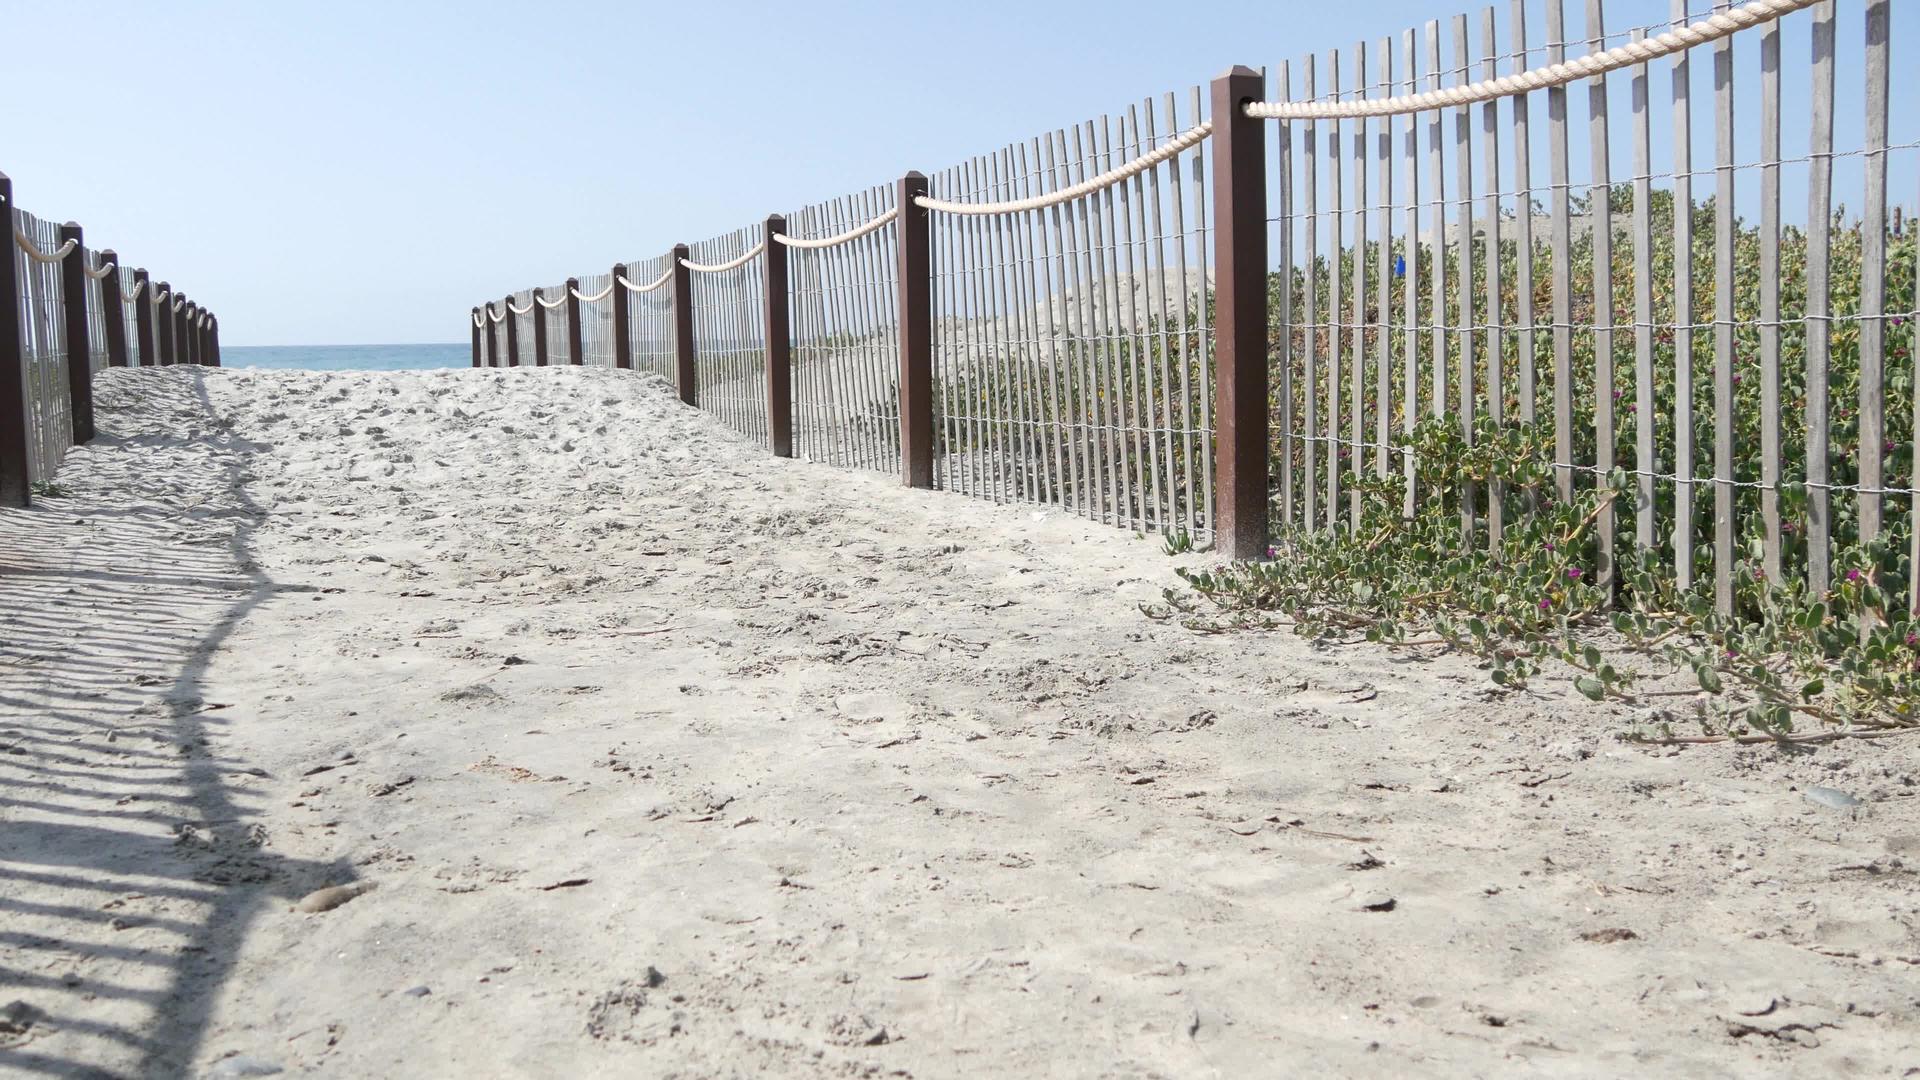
(665, 758)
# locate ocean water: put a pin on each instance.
(349, 357)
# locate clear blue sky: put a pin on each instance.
(356, 172)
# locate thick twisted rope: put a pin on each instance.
(854, 233)
(101, 273)
(1719, 25)
(135, 294)
(519, 310)
(162, 298)
(542, 301)
(1185, 140)
(733, 264)
(33, 251)
(595, 298)
(649, 287)
(492, 317)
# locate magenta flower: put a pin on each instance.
(1573, 572)
(1853, 575)
(1545, 603)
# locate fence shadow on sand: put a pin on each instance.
(130, 869)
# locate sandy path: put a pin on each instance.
(671, 759)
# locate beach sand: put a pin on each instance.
(664, 757)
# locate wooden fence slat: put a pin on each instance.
(1600, 206)
(1437, 289)
(1336, 282)
(1160, 310)
(1463, 165)
(1283, 316)
(1310, 184)
(1383, 273)
(1356, 381)
(1873, 275)
(1523, 221)
(1683, 310)
(1644, 460)
(1203, 230)
(1770, 298)
(1819, 329)
(1562, 248)
(1723, 373)
(1410, 287)
(1130, 508)
(1496, 344)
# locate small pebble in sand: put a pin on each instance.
(332, 897)
(241, 1065)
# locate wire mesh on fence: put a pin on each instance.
(729, 332)
(1490, 262)
(650, 315)
(846, 364)
(1072, 356)
(596, 320)
(43, 348)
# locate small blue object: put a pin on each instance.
(1399, 266)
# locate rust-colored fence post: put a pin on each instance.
(493, 336)
(113, 311)
(189, 336)
(1240, 317)
(779, 339)
(576, 344)
(684, 374)
(16, 484)
(512, 323)
(622, 345)
(178, 326)
(143, 318)
(162, 322)
(540, 357)
(915, 281)
(475, 320)
(73, 310)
